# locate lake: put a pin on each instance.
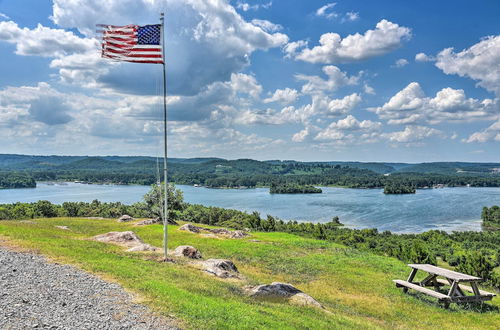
(444, 209)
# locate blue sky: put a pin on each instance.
(306, 80)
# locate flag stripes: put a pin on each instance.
(132, 43)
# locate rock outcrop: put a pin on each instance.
(190, 228)
(187, 251)
(278, 290)
(63, 227)
(125, 218)
(127, 239)
(220, 267)
(217, 231)
(238, 234)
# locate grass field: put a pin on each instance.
(355, 287)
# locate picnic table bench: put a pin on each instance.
(456, 292)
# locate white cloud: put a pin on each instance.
(44, 41)
(368, 89)
(245, 83)
(412, 134)
(410, 106)
(3, 16)
(246, 6)
(401, 63)
(386, 37)
(266, 25)
(291, 48)
(325, 11)
(283, 96)
(336, 79)
(480, 62)
(491, 133)
(422, 57)
(349, 129)
(351, 16)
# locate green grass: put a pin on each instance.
(355, 287)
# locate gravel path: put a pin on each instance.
(37, 294)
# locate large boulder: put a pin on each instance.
(125, 218)
(126, 238)
(220, 267)
(190, 228)
(278, 290)
(187, 251)
(220, 231)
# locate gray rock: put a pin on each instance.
(125, 218)
(190, 228)
(125, 238)
(220, 267)
(278, 290)
(187, 251)
(148, 222)
(143, 247)
(63, 227)
(238, 234)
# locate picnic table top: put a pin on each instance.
(456, 276)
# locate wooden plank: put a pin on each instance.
(432, 293)
(456, 276)
(467, 288)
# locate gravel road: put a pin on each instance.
(36, 294)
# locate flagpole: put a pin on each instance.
(165, 212)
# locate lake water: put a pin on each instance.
(445, 209)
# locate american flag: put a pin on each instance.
(132, 43)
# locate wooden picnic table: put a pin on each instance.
(456, 292)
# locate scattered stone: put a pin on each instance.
(238, 234)
(28, 221)
(278, 290)
(187, 251)
(95, 218)
(143, 247)
(221, 231)
(148, 222)
(63, 227)
(255, 240)
(190, 228)
(125, 218)
(220, 267)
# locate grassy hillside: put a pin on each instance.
(355, 287)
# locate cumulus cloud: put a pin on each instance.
(345, 127)
(336, 79)
(44, 41)
(410, 106)
(401, 63)
(351, 16)
(368, 89)
(480, 62)
(491, 133)
(386, 36)
(422, 57)
(412, 134)
(283, 96)
(3, 16)
(266, 25)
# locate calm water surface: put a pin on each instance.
(445, 209)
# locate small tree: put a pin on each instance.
(155, 198)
